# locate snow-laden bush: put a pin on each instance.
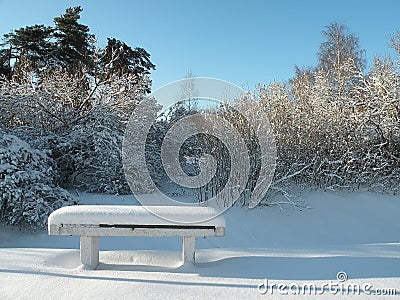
(90, 158)
(83, 131)
(133, 149)
(338, 136)
(28, 193)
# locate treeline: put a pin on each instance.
(65, 103)
(336, 126)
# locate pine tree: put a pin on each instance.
(29, 44)
(119, 58)
(69, 45)
(73, 39)
(5, 63)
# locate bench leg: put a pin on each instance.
(90, 251)
(188, 249)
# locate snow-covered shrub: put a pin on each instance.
(135, 147)
(90, 157)
(27, 187)
(81, 125)
(332, 135)
(87, 158)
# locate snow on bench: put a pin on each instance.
(92, 221)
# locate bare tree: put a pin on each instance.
(189, 91)
(395, 42)
(340, 46)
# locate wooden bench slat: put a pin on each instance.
(172, 226)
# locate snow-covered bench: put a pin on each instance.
(92, 221)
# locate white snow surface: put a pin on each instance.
(356, 233)
(135, 214)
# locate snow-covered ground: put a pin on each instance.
(355, 233)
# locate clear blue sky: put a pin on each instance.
(244, 42)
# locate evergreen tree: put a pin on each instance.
(119, 58)
(73, 39)
(5, 63)
(29, 44)
(69, 45)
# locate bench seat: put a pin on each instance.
(92, 221)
